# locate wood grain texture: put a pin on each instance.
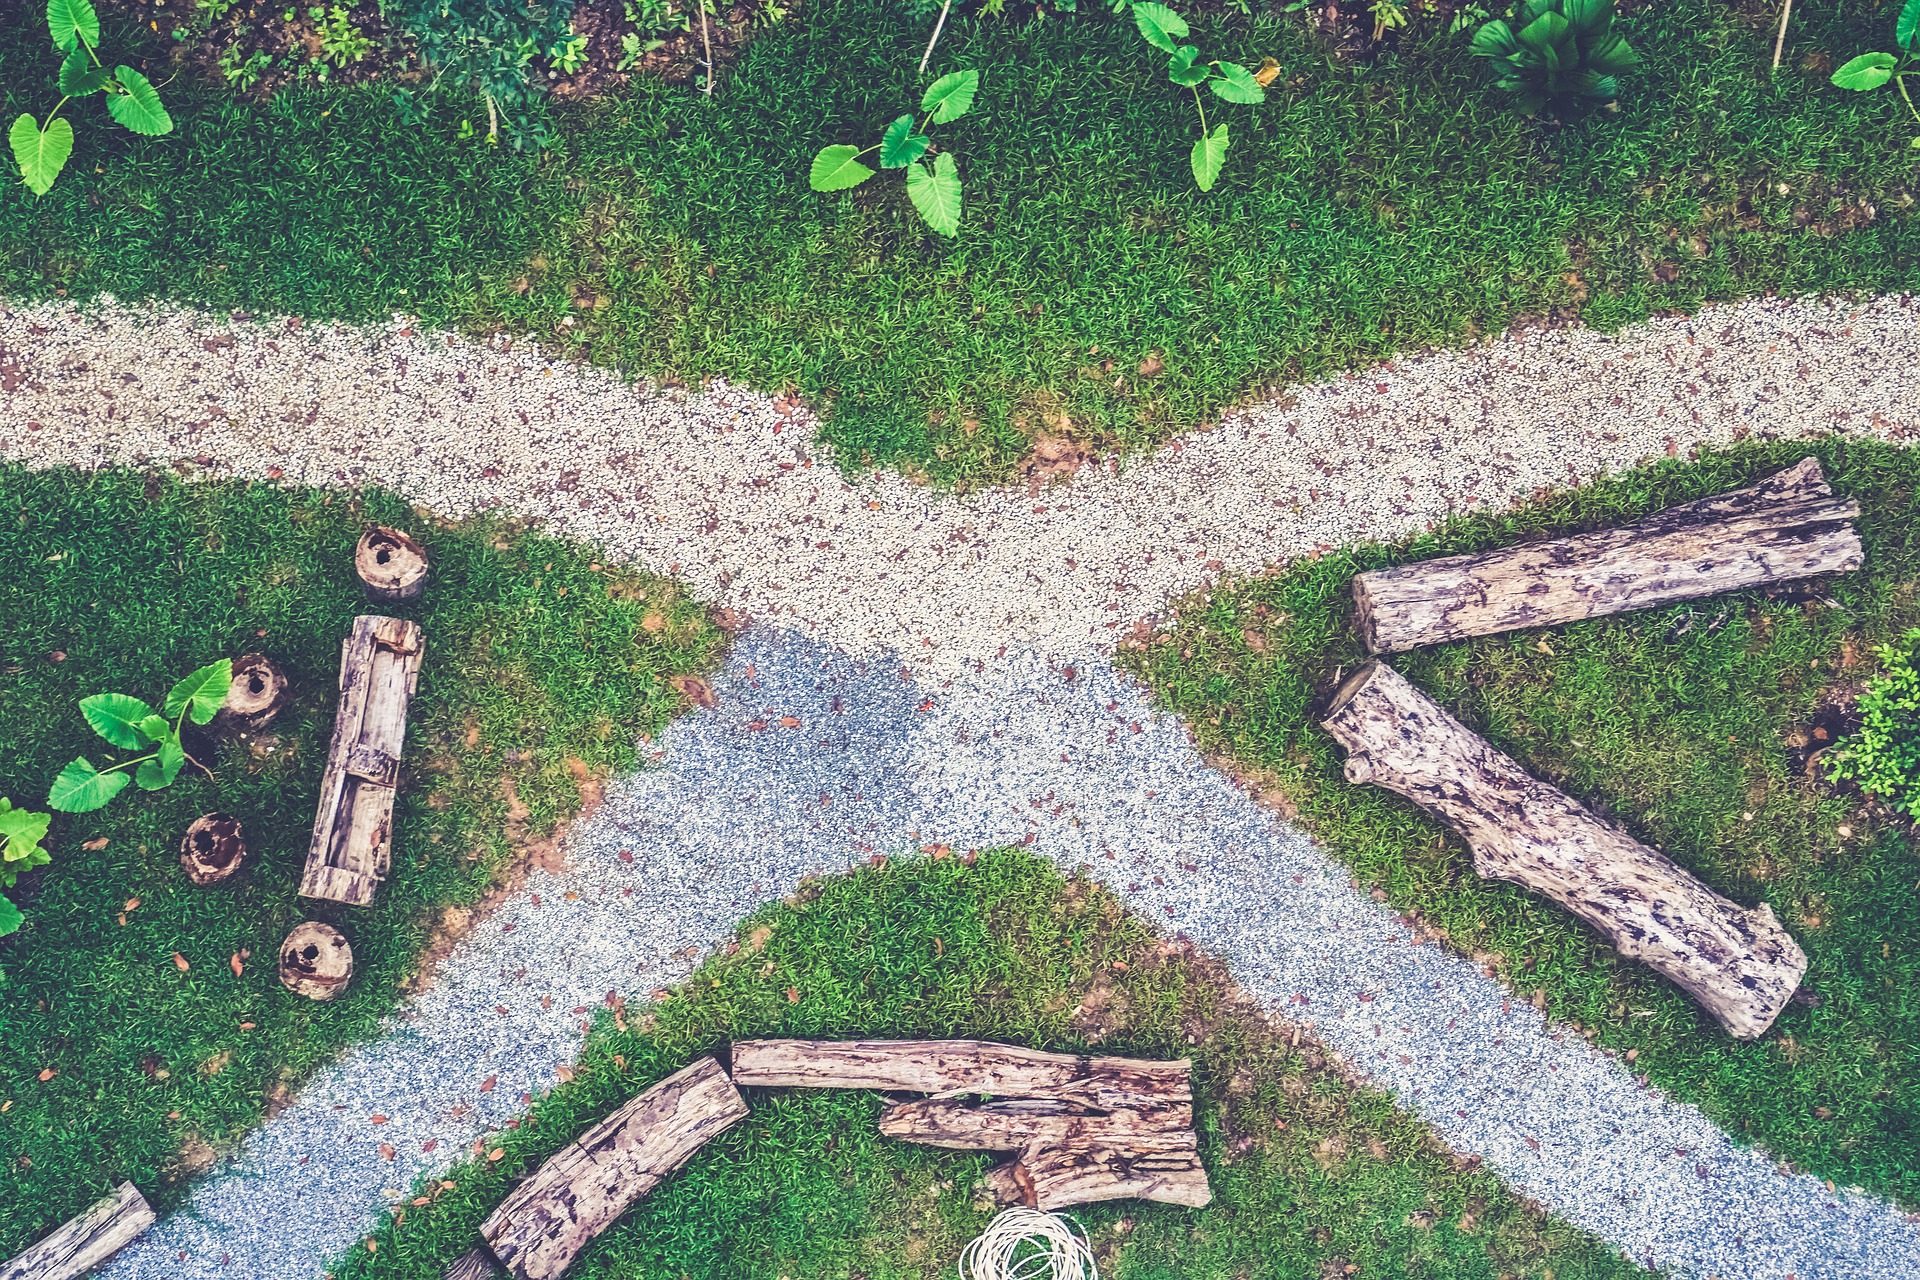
(1737, 962)
(1164, 1167)
(963, 1067)
(477, 1263)
(352, 846)
(392, 566)
(72, 1250)
(538, 1230)
(1013, 1124)
(1786, 527)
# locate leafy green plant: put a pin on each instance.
(1388, 15)
(341, 41)
(131, 724)
(486, 45)
(1884, 756)
(244, 71)
(1162, 28)
(1873, 70)
(21, 831)
(569, 55)
(42, 150)
(933, 187)
(1561, 56)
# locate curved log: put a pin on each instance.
(1739, 963)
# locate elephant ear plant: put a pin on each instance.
(41, 150)
(1874, 70)
(131, 724)
(1559, 56)
(1162, 28)
(21, 831)
(934, 187)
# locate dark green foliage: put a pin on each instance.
(1884, 757)
(1559, 56)
(487, 45)
(1691, 726)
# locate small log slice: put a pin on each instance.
(315, 961)
(1737, 962)
(258, 694)
(71, 1251)
(391, 565)
(213, 848)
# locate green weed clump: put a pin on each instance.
(1884, 756)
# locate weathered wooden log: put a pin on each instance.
(1013, 1124)
(477, 1263)
(1739, 963)
(391, 565)
(352, 847)
(1163, 1166)
(259, 693)
(956, 1067)
(539, 1229)
(72, 1250)
(315, 961)
(213, 848)
(1786, 527)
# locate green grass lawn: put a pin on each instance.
(1310, 1174)
(1363, 210)
(1683, 737)
(129, 582)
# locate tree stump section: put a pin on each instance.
(315, 961)
(1164, 1167)
(539, 1229)
(71, 1251)
(259, 693)
(1786, 527)
(391, 565)
(963, 1067)
(352, 847)
(213, 848)
(1738, 963)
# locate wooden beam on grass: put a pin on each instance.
(72, 1250)
(955, 1067)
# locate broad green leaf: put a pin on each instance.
(201, 693)
(156, 728)
(1587, 16)
(1544, 32)
(80, 77)
(1868, 71)
(1907, 25)
(1611, 54)
(163, 768)
(936, 193)
(71, 21)
(1209, 154)
(836, 168)
(1494, 40)
(40, 153)
(1236, 84)
(1160, 25)
(117, 717)
(951, 96)
(1182, 68)
(81, 787)
(24, 830)
(139, 107)
(10, 917)
(900, 146)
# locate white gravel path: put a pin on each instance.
(983, 604)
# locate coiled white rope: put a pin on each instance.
(1025, 1244)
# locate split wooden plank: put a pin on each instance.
(1164, 1167)
(1014, 1124)
(955, 1067)
(1788, 526)
(538, 1230)
(78, 1247)
(1738, 962)
(352, 847)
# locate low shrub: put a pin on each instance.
(1884, 757)
(1562, 57)
(487, 45)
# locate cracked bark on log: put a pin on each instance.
(1786, 527)
(72, 1250)
(391, 565)
(1013, 1124)
(963, 1067)
(1164, 1167)
(1737, 962)
(539, 1229)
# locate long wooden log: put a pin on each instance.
(539, 1229)
(1738, 962)
(1786, 527)
(1164, 1167)
(72, 1250)
(955, 1067)
(1014, 1124)
(352, 847)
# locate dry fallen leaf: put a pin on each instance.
(235, 965)
(94, 846)
(46, 1075)
(693, 689)
(486, 1086)
(133, 904)
(496, 1153)
(793, 995)
(564, 1071)
(386, 1151)
(376, 1118)
(180, 962)
(1269, 72)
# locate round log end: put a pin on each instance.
(315, 961)
(213, 848)
(1363, 614)
(391, 565)
(258, 694)
(1349, 688)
